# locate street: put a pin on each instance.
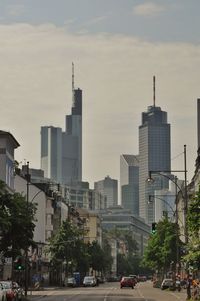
(109, 292)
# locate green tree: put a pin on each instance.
(193, 222)
(107, 256)
(66, 246)
(17, 223)
(97, 257)
(162, 247)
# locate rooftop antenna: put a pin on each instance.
(72, 84)
(154, 91)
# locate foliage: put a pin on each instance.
(17, 223)
(63, 243)
(193, 222)
(96, 256)
(68, 246)
(163, 247)
(107, 255)
(127, 259)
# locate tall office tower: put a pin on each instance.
(109, 188)
(51, 152)
(129, 182)
(72, 140)
(154, 155)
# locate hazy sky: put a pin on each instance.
(117, 46)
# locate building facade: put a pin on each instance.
(8, 144)
(154, 155)
(108, 188)
(129, 182)
(72, 142)
(61, 152)
(51, 152)
(123, 219)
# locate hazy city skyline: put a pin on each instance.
(117, 46)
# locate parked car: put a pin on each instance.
(142, 278)
(167, 283)
(89, 281)
(127, 282)
(178, 285)
(71, 281)
(11, 294)
(184, 283)
(19, 291)
(135, 278)
(2, 293)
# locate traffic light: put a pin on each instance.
(18, 264)
(153, 228)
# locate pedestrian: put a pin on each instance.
(188, 287)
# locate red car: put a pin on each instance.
(10, 292)
(127, 282)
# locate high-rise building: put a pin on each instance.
(129, 182)
(61, 152)
(109, 188)
(72, 142)
(51, 152)
(154, 155)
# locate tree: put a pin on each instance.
(128, 262)
(17, 223)
(96, 256)
(107, 256)
(67, 246)
(193, 221)
(162, 248)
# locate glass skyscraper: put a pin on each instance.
(154, 155)
(61, 152)
(129, 182)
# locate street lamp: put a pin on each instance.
(26, 265)
(177, 228)
(164, 201)
(166, 174)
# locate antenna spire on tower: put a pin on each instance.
(154, 91)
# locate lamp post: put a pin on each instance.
(26, 250)
(165, 173)
(176, 222)
(184, 195)
(26, 265)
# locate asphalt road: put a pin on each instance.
(109, 292)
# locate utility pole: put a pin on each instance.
(186, 197)
(26, 250)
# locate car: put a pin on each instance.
(11, 294)
(71, 281)
(127, 282)
(135, 278)
(142, 278)
(167, 283)
(19, 291)
(2, 293)
(89, 281)
(178, 285)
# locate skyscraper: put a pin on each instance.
(51, 152)
(72, 142)
(108, 188)
(129, 182)
(154, 155)
(61, 152)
